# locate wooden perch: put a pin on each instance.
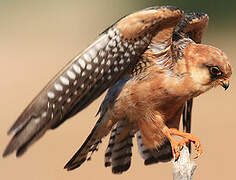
(184, 167)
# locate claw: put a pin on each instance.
(198, 154)
(198, 147)
(175, 150)
(177, 146)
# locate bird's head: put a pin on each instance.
(208, 66)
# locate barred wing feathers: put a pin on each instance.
(112, 56)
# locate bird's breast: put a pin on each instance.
(151, 94)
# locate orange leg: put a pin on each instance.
(176, 146)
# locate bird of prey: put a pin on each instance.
(153, 64)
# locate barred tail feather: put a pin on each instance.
(119, 150)
(151, 156)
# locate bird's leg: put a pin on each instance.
(176, 146)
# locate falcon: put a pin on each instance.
(153, 65)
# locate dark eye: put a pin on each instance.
(215, 71)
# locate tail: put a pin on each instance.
(151, 156)
(119, 151)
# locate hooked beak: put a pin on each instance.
(224, 82)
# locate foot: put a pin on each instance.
(176, 146)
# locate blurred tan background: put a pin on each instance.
(38, 37)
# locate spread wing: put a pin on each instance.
(112, 56)
(118, 153)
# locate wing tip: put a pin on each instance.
(71, 165)
(8, 150)
(5, 153)
(13, 146)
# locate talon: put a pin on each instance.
(199, 150)
(198, 154)
(198, 146)
(176, 156)
(175, 150)
(176, 146)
